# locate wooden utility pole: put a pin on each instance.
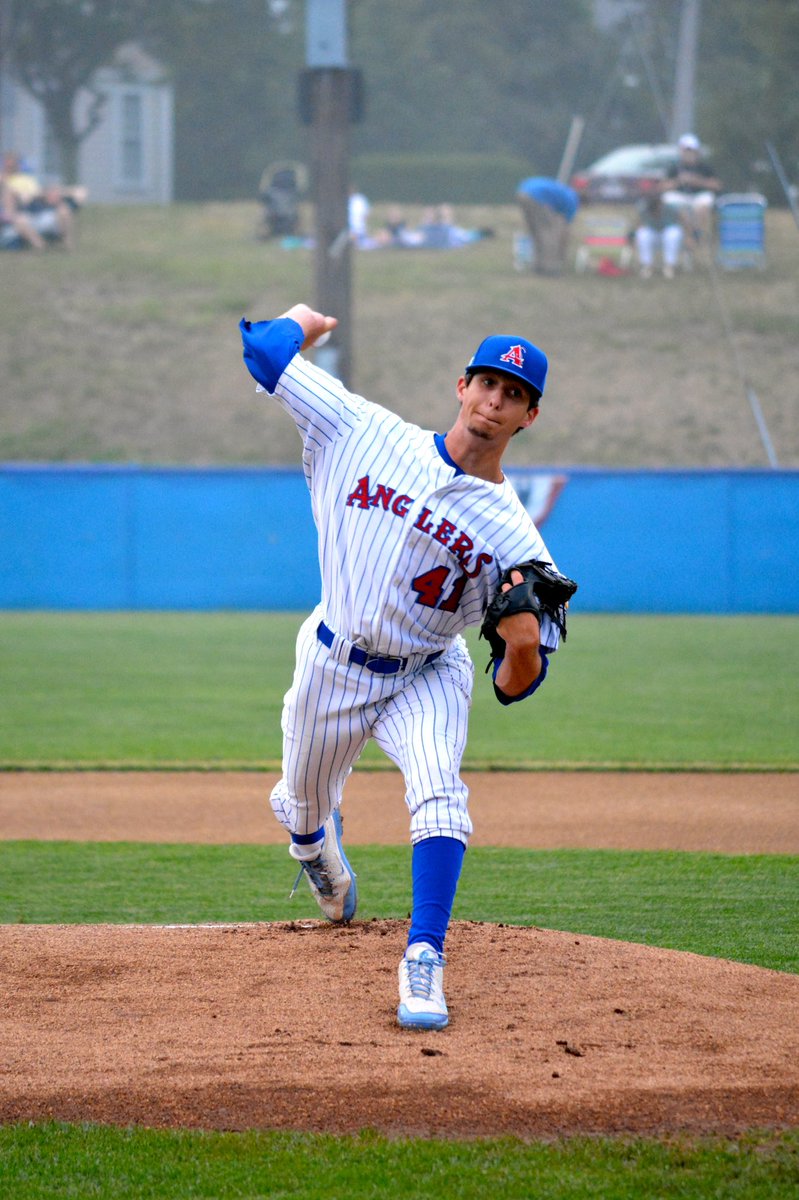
(330, 102)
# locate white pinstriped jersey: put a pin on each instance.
(410, 548)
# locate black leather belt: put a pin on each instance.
(380, 664)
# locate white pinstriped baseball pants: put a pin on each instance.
(419, 717)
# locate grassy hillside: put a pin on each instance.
(128, 349)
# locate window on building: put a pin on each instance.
(132, 139)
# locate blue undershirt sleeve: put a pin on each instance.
(269, 347)
(505, 699)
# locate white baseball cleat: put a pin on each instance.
(330, 877)
(421, 988)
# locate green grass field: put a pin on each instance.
(42, 1162)
(155, 690)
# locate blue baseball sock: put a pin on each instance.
(436, 866)
(307, 839)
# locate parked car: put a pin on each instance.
(624, 175)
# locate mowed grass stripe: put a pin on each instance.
(150, 690)
(38, 1162)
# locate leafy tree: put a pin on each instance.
(747, 91)
(54, 48)
(235, 66)
(462, 75)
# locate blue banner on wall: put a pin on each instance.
(125, 537)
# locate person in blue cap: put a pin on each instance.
(415, 529)
(548, 208)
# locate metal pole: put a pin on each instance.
(790, 193)
(682, 117)
(330, 103)
(330, 156)
(646, 59)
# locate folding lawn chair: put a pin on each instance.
(741, 230)
(605, 246)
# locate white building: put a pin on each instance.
(128, 158)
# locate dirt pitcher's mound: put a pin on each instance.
(291, 1026)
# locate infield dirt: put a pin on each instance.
(290, 1025)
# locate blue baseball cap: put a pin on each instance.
(512, 356)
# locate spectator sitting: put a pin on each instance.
(438, 230)
(48, 211)
(659, 228)
(434, 230)
(16, 231)
(692, 186)
(395, 231)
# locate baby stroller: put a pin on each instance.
(280, 190)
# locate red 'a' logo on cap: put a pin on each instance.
(515, 355)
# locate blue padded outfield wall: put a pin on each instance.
(128, 537)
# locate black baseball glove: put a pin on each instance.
(543, 590)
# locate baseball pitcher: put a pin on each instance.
(420, 534)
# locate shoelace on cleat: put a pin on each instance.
(318, 876)
(421, 977)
